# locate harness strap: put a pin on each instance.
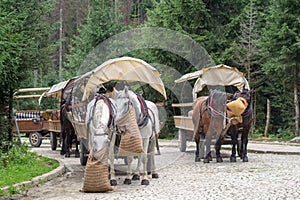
(144, 116)
(110, 107)
(153, 122)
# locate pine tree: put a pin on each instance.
(281, 51)
(101, 23)
(24, 48)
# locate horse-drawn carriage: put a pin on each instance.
(35, 121)
(222, 77)
(93, 114)
(54, 124)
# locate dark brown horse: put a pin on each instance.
(67, 130)
(242, 129)
(209, 116)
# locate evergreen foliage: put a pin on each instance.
(24, 48)
(281, 52)
(28, 42)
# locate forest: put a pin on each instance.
(44, 42)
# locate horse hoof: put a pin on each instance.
(197, 159)
(113, 182)
(135, 177)
(145, 182)
(232, 159)
(205, 160)
(127, 181)
(62, 152)
(155, 175)
(67, 155)
(77, 155)
(245, 159)
(219, 159)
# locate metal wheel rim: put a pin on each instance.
(34, 138)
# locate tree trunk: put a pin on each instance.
(268, 118)
(296, 103)
(9, 115)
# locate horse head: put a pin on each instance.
(123, 102)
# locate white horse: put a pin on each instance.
(100, 122)
(149, 129)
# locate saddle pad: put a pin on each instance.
(96, 175)
(131, 141)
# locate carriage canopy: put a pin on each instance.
(124, 68)
(220, 75)
(56, 90)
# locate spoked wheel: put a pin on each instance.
(53, 140)
(35, 139)
(83, 153)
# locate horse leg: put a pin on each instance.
(77, 155)
(233, 151)
(197, 157)
(199, 147)
(234, 143)
(128, 178)
(151, 157)
(218, 149)
(244, 146)
(145, 180)
(68, 143)
(111, 155)
(207, 156)
(239, 145)
(63, 145)
(136, 175)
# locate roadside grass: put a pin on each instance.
(18, 164)
(271, 137)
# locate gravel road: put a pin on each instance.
(265, 176)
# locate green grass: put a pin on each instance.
(19, 164)
(271, 137)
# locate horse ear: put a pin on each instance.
(126, 89)
(115, 93)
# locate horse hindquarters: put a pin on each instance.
(200, 121)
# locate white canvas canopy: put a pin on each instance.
(125, 68)
(220, 75)
(55, 90)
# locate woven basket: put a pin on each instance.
(96, 175)
(131, 141)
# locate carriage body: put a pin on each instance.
(221, 77)
(36, 123)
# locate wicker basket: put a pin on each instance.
(131, 141)
(96, 175)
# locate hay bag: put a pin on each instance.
(236, 108)
(131, 141)
(96, 176)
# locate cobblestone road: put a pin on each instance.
(265, 176)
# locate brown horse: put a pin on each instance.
(242, 129)
(208, 117)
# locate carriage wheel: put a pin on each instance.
(35, 139)
(53, 140)
(83, 153)
(182, 140)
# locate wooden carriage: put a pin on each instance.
(35, 123)
(220, 76)
(82, 91)
(53, 125)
